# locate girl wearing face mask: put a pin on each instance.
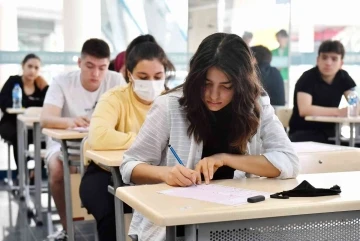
(117, 118)
(220, 123)
(33, 87)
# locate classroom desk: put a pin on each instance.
(15, 111)
(63, 136)
(111, 160)
(338, 121)
(315, 218)
(315, 147)
(332, 161)
(23, 123)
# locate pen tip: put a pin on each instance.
(169, 145)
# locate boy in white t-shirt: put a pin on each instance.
(69, 103)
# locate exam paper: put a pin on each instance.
(225, 195)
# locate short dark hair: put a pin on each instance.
(231, 55)
(330, 46)
(28, 57)
(262, 54)
(97, 48)
(282, 33)
(146, 47)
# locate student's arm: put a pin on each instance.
(102, 133)
(306, 108)
(51, 118)
(41, 83)
(144, 162)
(278, 157)
(6, 95)
(348, 83)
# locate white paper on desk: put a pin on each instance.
(80, 129)
(215, 193)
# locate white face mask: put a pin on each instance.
(148, 90)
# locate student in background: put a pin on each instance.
(116, 121)
(282, 51)
(219, 124)
(247, 37)
(69, 103)
(270, 77)
(318, 92)
(33, 87)
(118, 64)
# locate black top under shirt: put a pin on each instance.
(35, 99)
(323, 94)
(219, 140)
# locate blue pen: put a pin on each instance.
(177, 157)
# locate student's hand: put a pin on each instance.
(80, 121)
(208, 166)
(180, 176)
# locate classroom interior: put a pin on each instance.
(55, 32)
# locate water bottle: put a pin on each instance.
(353, 101)
(17, 97)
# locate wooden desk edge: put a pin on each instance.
(15, 111)
(72, 135)
(28, 119)
(228, 211)
(332, 119)
(95, 157)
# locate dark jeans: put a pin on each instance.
(312, 135)
(99, 202)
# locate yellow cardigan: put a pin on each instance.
(116, 120)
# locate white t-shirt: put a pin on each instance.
(67, 93)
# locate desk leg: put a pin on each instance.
(67, 191)
(352, 140)
(337, 134)
(38, 176)
(119, 207)
(21, 157)
(170, 233)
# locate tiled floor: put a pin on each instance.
(15, 225)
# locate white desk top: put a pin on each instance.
(166, 210)
(60, 134)
(28, 120)
(333, 119)
(15, 110)
(107, 158)
(314, 147)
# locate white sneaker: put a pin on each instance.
(58, 236)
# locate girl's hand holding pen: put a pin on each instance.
(180, 176)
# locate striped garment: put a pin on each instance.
(166, 123)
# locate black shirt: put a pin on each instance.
(219, 142)
(323, 94)
(34, 99)
(273, 83)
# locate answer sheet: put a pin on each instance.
(225, 195)
(80, 129)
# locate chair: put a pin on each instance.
(84, 162)
(284, 115)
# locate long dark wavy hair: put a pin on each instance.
(230, 54)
